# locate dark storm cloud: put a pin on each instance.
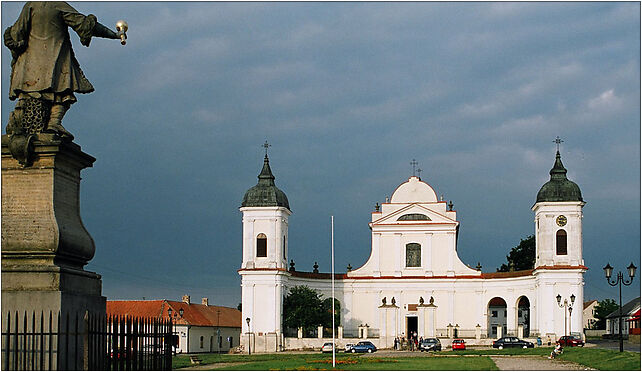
(348, 94)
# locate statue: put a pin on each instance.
(44, 71)
(383, 300)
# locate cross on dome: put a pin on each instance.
(266, 145)
(558, 141)
(414, 164)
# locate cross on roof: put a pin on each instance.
(266, 145)
(419, 170)
(414, 164)
(557, 141)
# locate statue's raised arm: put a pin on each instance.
(45, 73)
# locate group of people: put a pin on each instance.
(411, 342)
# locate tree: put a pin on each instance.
(602, 310)
(327, 313)
(522, 257)
(302, 307)
(305, 307)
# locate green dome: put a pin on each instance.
(265, 193)
(559, 188)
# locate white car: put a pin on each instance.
(348, 347)
(327, 347)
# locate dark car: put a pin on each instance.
(430, 344)
(511, 342)
(570, 341)
(364, 347)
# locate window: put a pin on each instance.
(201, 342)
(504, 313)
(261, 245)
(494, 314)
(519, 313)
(414, 217)
(413, 255)
(561, 242)
(284, 256)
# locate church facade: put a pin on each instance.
(414, 281)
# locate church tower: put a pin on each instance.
(558, 220)
(559, 266)
(263, 270)
(265, 223)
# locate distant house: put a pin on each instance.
(200, 327)
(628, 313)
(588, 314)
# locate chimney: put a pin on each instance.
(204, 301)
(186, 299)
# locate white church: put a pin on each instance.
(414, 281)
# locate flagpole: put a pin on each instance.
(334, 361)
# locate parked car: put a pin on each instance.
(570, 341)
(348, 347)
(363, 347)
(458, 344)
(327, 347)
(511, 342)
(430, 344)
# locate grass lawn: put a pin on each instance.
(445, 360)
(606, 360)
(316, 361)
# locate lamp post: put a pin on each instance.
(169, 313)
(564, 305)
(218, 331)
(608, 270)
(249, 343)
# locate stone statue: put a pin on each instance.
(383, 300)
(44, 71)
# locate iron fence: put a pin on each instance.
(62, 341)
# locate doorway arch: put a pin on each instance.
(496, 316)
(524, 314)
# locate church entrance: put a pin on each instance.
(411, 327)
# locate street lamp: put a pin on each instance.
(173, 325)
(564, 305)
(249, 344)
(218, 331)
(608, 270)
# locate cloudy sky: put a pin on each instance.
(348, 94)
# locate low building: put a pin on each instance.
(588, 314)
(628, 311)
(200, 327)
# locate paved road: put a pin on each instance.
(535, 363)
(613, 345)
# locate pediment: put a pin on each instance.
(410, 210)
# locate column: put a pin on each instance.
(399, 256)
(511, 316)
(426, 255)
(376, 243)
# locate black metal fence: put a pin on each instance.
(92, 342)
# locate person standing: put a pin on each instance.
(44, 71)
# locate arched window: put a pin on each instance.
(561, 242)
(413, 255)
(414, 217)
(261, 245)
(284, 255)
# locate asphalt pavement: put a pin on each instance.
(613, 345)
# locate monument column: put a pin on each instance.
(44, 242)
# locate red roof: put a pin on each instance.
(193, 314)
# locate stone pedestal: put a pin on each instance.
(44, 243)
